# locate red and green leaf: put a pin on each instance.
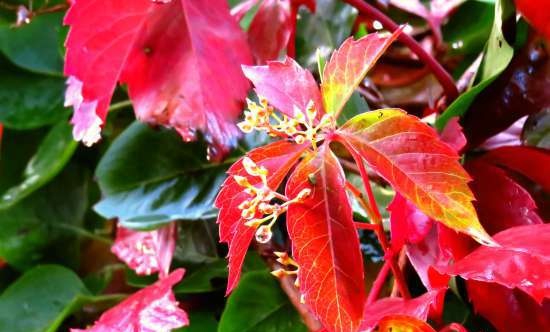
(422, 168)
(180, 60)
(521, 261)
(278, 158)
(325, 243)
(348, 66)
(285, 85)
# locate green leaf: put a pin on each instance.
(33, 46)
(149, 177)
(498, 54)
(53, 154)
(201, 321)
(354, 106)
(203, 279)
(323, 30)
(39, 227)
(536, 131)
(196, 242)
(259, 304)
(29, 101)
(40, 300)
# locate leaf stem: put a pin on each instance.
(291, 45)
(389, 255)
(439, 72)
(378, 283)
(120, 105)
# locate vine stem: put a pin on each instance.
(378, 283)
(389, 255)
(439, 72)
(291, 46)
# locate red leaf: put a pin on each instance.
(348, 66)
(418, 307)
(536, 12)
(522, 261)
(501, 202)
(278, 158)
(422, 168)
(325, 243)
(180, 60)
(452, 134)
(524, 160)
(509, 310)
(408, 224)
(146, 252)
(285, 85)
(151, 309)
(400, 323)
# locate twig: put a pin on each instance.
(378, 283)
(439, 72)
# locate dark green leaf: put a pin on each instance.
(33, 46)
(29, 101)
(536, 131)
(53, 153)
(201, 321)
(40, 300)
(259, 304)
(203, 279)
(39, 227)
(149, 177)
(196, 242)
(498, 54)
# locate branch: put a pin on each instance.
(439, 72)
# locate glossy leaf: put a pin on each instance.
(174, 180)
(53, 154)
(259, 304)
(509, 310)
(278, 158)
(524, 160)
(408, 224)
(325, 243)
(34, 46)
(500, 201)
(348, 66)
(498, 54)
(521, 261)
(399, 323)
(426, 171)
(47, 293)
(146, 252)
(169, 54)
(153, 308)
(537, 17)
(418, 308)
(42, 225)
(29, 101)
(285, 84)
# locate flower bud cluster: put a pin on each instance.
(259, 208)
(300, 128)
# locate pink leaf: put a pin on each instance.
(408, 224)
(325, 243)
(522, 261)
(152, 309)
(180, 60)
(453, 135)
(278, 158)
(146, 252)
(285, 85)
(418, 307)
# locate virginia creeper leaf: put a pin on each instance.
(426, 171)
(153, 308)
(521, 261)
(285, 84)
(418, 307)
(537, 17)
(148, 251)
(509, 310)
(179, 58)
(401, 323)
(325, 243)
(500, 201)
(348, 66)
(408, 224)
(277, 158)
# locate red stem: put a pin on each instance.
(379, 283)
(365, 226)
(439, 72)
(291, 46)
(390, 256)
